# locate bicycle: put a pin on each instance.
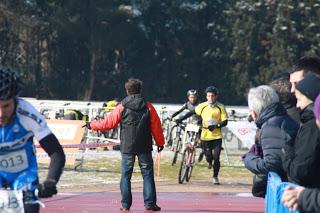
(166, 127)
(176, 133)
(190, 138)
(17, 195)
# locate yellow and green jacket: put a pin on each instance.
(211, 114)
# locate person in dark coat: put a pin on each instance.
(300, 198)
(259, 180)
(139, 124)
(190, 105)
(301, 159)
(276, 129)
(303, 66)
(281, 84)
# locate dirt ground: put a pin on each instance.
(103, 175)
(226, 186)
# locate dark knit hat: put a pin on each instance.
(309, 86)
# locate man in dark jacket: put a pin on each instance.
(300, 198)
(303, 66)
(276, 129)
(281, 84)
(139, 122)
(302, 159)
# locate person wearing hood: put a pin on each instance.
(301, 159)
(139, 123)
(276, 129)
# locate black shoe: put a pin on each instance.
(154, 208)
(210, 166)
(200, 157)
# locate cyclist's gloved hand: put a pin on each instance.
(212, 127)
(47, 189)
(87, 125)
(160, 148)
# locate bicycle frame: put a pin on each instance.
(12, 200)
(166, 127)
(189, 153)
(190, 134)
(176, 141)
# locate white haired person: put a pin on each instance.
(276, 129)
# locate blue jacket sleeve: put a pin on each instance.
(255, 164)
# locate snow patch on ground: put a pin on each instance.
(244, 194)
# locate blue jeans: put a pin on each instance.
(146, 166)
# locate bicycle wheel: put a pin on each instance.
(190, 167)
(192, 155)
(184, 167)
(166, 128)
(171, 138)
(176, 149)
(188, 174)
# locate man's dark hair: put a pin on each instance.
(281, 75)
(308, 64)
(282, 86)
(133, 86)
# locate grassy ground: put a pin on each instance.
(106, 171)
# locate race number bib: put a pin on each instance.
(192, 128)
(11, 201)
(13, 162)
(211, 121)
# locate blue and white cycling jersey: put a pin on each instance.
(18, 163)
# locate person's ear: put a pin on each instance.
(254, 115)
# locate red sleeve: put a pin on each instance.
(156, 128)
(110, 121)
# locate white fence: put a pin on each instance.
(235, 112)
(238, 129)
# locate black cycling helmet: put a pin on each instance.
(10, 84)
(212, 89)
(192, 92)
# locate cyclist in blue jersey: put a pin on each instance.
(19, 123)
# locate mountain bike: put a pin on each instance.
(176, 134)
(166, 127)
(22, 192)
(190, 139)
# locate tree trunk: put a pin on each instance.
(92, 76)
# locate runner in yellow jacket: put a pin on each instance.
(214, 117)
